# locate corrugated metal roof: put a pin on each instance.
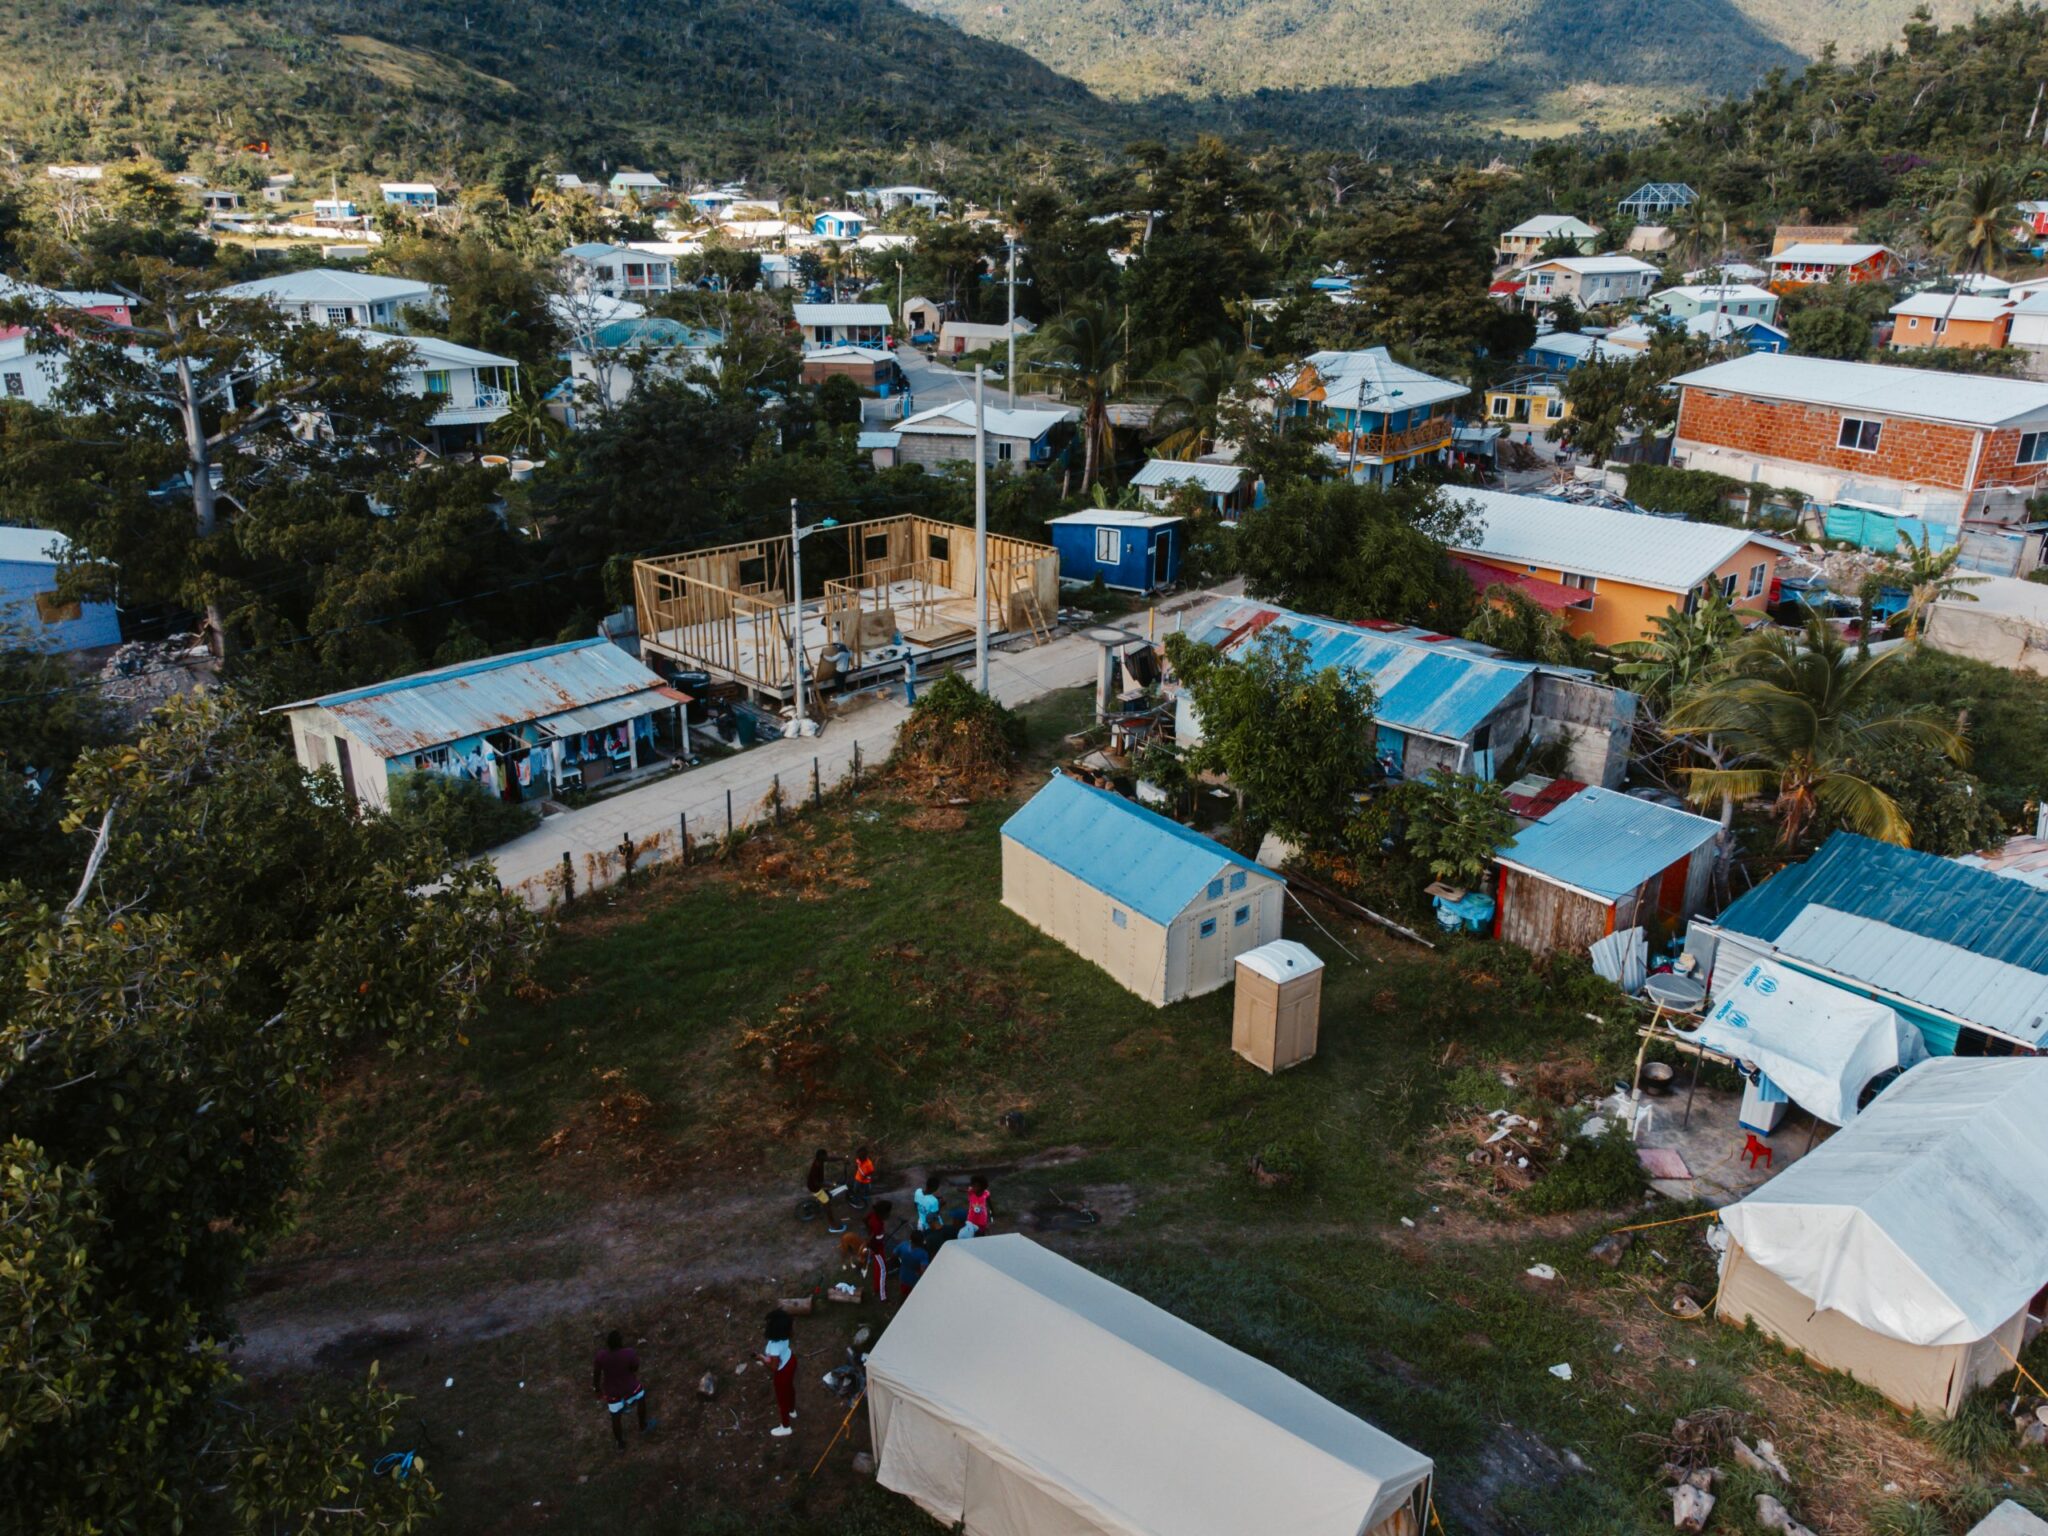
(329, 285)
(1427, 687)
(1370, 379)
(1926, 393)
(1999, 996)
(1666, 554)
(1608, 843)
(1134, 856)
(1972, 915)
(841, 314)
(1217, 479)
(431, 709)
(33, 546)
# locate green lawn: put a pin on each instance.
(855, 979)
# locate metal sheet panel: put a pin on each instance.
(1607, 843)
(1999, 996)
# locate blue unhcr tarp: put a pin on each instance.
(1867, 528)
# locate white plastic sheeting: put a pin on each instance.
(1821, 1045)
(1926, 1220)
(1622, 958)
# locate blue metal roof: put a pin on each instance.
(1134, 856)
(1608, 843)
(431, 709)
(1972, 910)
(1430, 686)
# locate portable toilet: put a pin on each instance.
(1279, 1005)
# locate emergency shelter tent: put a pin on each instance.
(1024, 1396)
(1820, 1046)
(1909, 1249)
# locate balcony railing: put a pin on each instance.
(1434, 433)
(492, 399)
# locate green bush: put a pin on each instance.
(1696, 494)
(1602, 1174)
(459, 815)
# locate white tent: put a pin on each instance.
(1024, 1396)
(1908, 1249)
(1819, 1044)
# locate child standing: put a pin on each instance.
(981, 1213)
(927, 1203)
(820, 1190)
(863, 1177)
(779, 1355)
(911, 1263)
(616, 1380)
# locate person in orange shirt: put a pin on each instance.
(863, 1177)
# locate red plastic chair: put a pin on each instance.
(1752, 1149)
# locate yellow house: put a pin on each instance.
(1535, 401)
(1634, 567)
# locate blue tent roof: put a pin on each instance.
(1608, 843)
(1430, 685)
(1137, 857)
(1921, 893)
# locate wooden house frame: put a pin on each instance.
(727, 610)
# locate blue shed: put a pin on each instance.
(1133, 551)
(32, 615)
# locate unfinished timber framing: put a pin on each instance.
(727, 610)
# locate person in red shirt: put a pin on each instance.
(981, 1213)
(616, 1379)
(875, 1262)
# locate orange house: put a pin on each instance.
(1824, 261)
(1632, 568)
(1951, 320)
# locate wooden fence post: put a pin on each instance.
(568, 878)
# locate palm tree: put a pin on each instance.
(1793, 716)
(1971, 230)
(527, 424)
(1085, 343)
(1682, 651)
(1700, 234)
(1199, 386)
(1930, 578)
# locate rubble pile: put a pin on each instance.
(141, 675)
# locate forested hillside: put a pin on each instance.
(1488, 63)
(444, 87)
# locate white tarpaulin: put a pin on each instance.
(1926, 1220)
(1025, 1396)
(1817, 1043)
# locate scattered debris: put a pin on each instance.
(1562, 1371)
(863, 1464)
(1773, 1516)
(1691, 1507)
(797, 1306)
(1764, 1458)
(1610, 1248)
(1540, 1272)
(707, 1385)
(142, 674)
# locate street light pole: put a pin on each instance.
(1010, 371)
(796, 611)
(980, 535)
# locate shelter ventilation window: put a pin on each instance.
(1215, 890)
(1858, 435)
(1237, 881)
(1241, 916)
(938, 546)
(753, 573)
(1108, 546)
(874, 548)
(1116, 915)
(2033, 445)
(1208, 927)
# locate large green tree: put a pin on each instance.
(1359, 552)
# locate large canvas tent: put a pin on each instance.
(1021, 1395)
(1819, 1044)
(1909, 1249)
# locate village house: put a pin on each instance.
(921, 318)
(1557, 352)
(1629, 568)
(1944, 448)
(471, 389)
(712, 202)
(1958, 952)
(1749, 333)
(1441, 702)
(2029, 330)
(607, 361)
(1228, 488)
(414, 196)
(1798, 266)
(621, 272)
(1163, 909)
(1384, 417)
(840, 325)
(336, 211)
(1654, 199)
(1739, 299)
(1589, 282)
(945, 435)
(1533, 400)
(839, 224)
(35, 374)
(329, 296)
(521, 726)
(1527, 239)
(873, 370)
(1650, 240)
(641, 185)
(1951, 320)
(1131, 551)
(888, 199)
(959, 337)
(33, 615)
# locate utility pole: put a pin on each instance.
(796, 611)
(980, 535)
(1010, 371)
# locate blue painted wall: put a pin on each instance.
(1133, 569)
(20, 581)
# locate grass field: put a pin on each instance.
(622, 1146)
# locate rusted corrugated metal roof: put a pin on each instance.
(431, 709)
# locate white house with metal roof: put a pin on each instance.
(1590, 282)
(1739, 299)
(1823, 261)
(329, 296)
(471, 388)
(521, 726)
(415, 196)
(621, 272)
(835, 325)
(945, 434)
(1227, 487)
(640, 184)
(1527, 239)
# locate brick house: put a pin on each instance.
(1947, 448)
(1822, 262)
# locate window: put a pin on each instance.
(52, 609)
(437, 381)
(1215, 890)
(753, 573)
(1109, 546)
(1756, 579)
(1912, 322)
(1116, 915)
(337, 314)
(1728, 586)
(2033, 445)
(1580, 583)
(15, 388)
(1005, 451)
(938, 546)
(874, 548)
(1940, 324)
(1554, 407)
(1237, 881)
(1240, 917)
(1859, 435)
(1208, 927)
